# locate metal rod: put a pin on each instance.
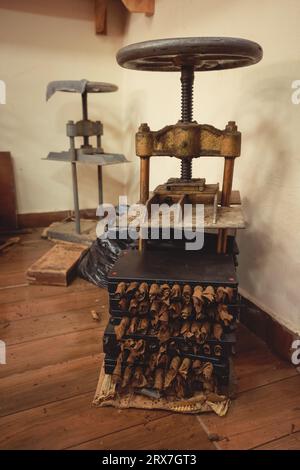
(225, 200)
(100, 185)
(85, 115)
(75, 185)
(187, 83)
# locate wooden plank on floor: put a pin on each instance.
(259, 416)
(36, 354)
(172, 432)
(49, 384)
(47, 326)
(67, 423)
(23, 293)
(290, 442)
(260, 367)
(95, 298)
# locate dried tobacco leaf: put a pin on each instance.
(120, 290)
(217, 331)
(133, 307)
(164, 333)
(186, 311)
(154, 292)
(133, 326)
(209, 294)
(143, 307)
(155, 307)
(187, 294)
(175, 293)
(117, 372)
(165, 293)
(224, 315)
(127, 376)
(185, 367)
(121, 328)
(143, 326)
(164, 314)
(172, 372)
(198, 301)
(158, 379)
(142, 292)
(175, 310)
(131, 290)
(139, 380)
(123, 304)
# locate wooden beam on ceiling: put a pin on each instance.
(140, 6)
(100, 16)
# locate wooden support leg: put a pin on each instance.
(225, 200)
(144, 188)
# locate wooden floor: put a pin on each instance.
(53, 362)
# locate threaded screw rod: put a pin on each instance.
(187, 84)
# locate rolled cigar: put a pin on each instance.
(185, 367)
(176, 327)
(224, 294)
(175, 293)
(186, 311)
(197, 366)
(204, 330)
(217, 331)
(138, 379)
(153, 361)
(117, 373)
(127, 376)
(158, 379)
(224, 315)
(154, 292)
(144, 307)
(155, 307)
(206, 349)
(164, 314)
(123, 304)
(121, 328)
(120, 290)
(142, 292)
(172, 372)
(133, 326)
(143, 326)
(179, 386)
(165, 292)
(218, 350)
(131, 290)
(197, 300)
(196, 330)
(175, 310)
(209, 294)
(185, 328)
(133, 307)
(187, 293)
(208, 370)
(164, 333)
(137, 351)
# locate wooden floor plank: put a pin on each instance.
(67, 423)
(47, 326)
(290, 442)
(49, 384)
(259, 416)
(36, 354)
(25, 293)
(176, 432)
(95, 298)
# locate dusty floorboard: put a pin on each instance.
(54, 354)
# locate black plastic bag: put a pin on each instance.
(95, 264)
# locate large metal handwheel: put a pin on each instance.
(202, 53)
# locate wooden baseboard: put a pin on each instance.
(278, 337)
(43, 219)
